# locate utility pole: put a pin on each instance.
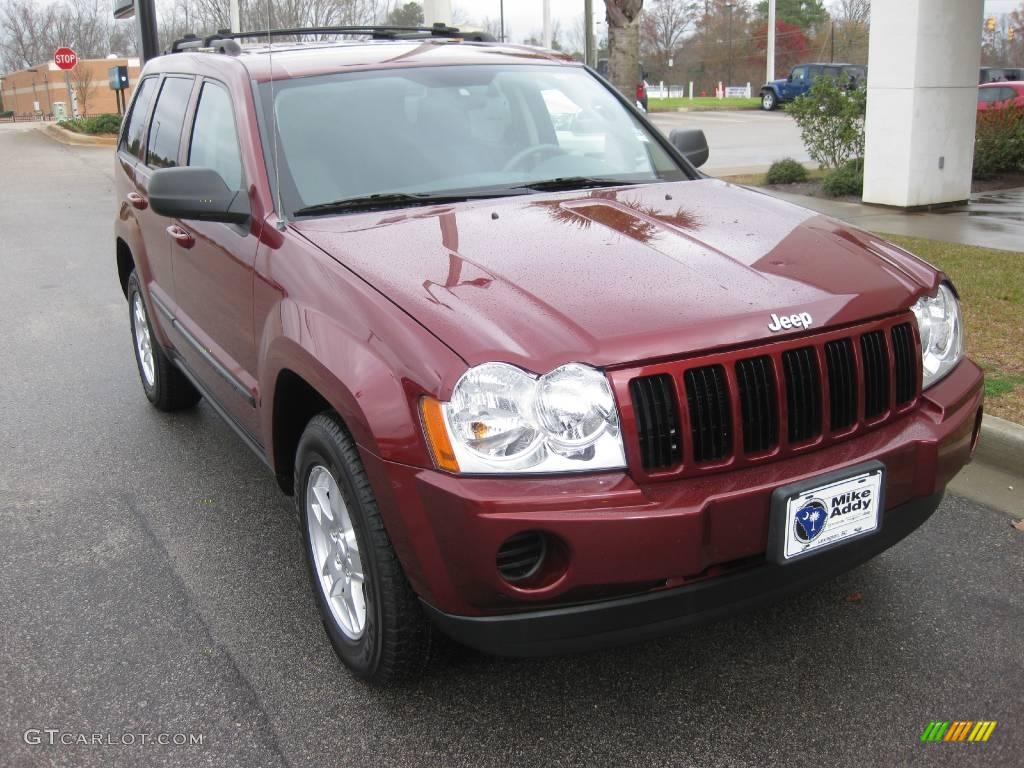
(728, 78)
(236, 25)
(771, 41)
(589, 52)
(832, 56)
(501, 22)
(546, 34)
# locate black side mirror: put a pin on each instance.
(197, 193)
(790, 78)
(692, 144)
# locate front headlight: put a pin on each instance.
(502, 419)
(941, 331)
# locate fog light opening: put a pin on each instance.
(531, 560)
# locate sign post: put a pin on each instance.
(65, 58)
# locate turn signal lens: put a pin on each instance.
(432, 415)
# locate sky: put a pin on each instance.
(523, 17)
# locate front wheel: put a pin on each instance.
(769, 101)
(371, 615)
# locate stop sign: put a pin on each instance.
(65, 58)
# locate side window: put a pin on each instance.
(214, 140)
(168, 117)
(131, 139)
(800, 73)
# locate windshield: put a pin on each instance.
(431, 131)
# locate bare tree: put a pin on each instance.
(853, 11)
(25, 33)
(624, 43)
(852, 22)
(30, 32)
(665, 23)
(83, 85)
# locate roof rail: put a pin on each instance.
(223, 41)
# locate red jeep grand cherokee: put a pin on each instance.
(533, 380)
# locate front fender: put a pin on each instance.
(359, 351)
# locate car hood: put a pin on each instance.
(622, 275)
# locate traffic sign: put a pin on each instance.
(65, 58)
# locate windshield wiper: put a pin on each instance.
(399, 200)
(574, 182)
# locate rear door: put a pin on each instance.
(213, 268)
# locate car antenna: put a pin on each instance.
(281, 220)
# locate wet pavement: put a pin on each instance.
(989, 220)
(152, 581)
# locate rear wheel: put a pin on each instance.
(165, 385)
(769, 101)
(371, 615)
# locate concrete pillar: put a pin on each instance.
(437, 11)
(922, 99)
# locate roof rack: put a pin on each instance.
(224, 40)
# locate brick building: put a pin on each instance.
(45, 85)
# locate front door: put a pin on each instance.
(213, 270)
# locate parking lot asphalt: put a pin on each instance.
(151, 581)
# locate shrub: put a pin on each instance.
(999, 142)
(846, 180)
(106, 123)
(786, 171)
(831, 121)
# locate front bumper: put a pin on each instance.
(641, 617)
(642, 558)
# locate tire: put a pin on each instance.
(769, 101)
(390, 639)
(165, 385)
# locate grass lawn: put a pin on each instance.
(701, 104)
(991, 287)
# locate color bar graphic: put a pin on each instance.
(958, 730)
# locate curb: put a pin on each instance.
(1001, 445)
(78, 139)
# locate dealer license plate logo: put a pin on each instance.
(829, 514)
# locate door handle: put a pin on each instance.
(181, 236)
(137, 201)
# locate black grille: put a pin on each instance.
(707, 396)
(657, 421)
(905, 358)
(842, 383)
(876, 374)
(520, 556)
(759, 406)
(803, 393)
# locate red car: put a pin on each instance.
(532, 379)
(1000, 96)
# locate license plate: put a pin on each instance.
(825, 512)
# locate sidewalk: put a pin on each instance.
(990, 220)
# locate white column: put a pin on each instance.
(546, 35)
(922, 100)
(771, 41)
(437, 11)
(233, 16)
